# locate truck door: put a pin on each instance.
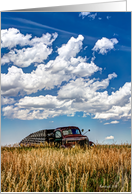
(58, 138)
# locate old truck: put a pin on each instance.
(61, 136)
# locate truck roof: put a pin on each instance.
(67, 127)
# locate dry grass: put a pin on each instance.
(49, 169)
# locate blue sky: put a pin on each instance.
(62, 69)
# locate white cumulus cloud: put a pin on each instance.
(40, 107)
(92, 16)
(79, 93)
(88, 97)
(26, 56)
(38, 48)
(84, 14)
(47, 76)
(106, 123)
(76, 96)
(12, 37)
(89, 14)
(104, 45)
(6, 100)
(70, 49)
(110, 137)
(112, 122)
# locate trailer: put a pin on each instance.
(42, 136)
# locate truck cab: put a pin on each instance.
(69, 136)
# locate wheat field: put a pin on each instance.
(44, 168)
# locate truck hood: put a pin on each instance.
(71, 140)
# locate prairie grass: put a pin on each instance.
(44, 168)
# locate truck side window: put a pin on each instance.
(58, 134)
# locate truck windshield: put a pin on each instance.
(71, 131)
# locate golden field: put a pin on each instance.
(49, 169)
